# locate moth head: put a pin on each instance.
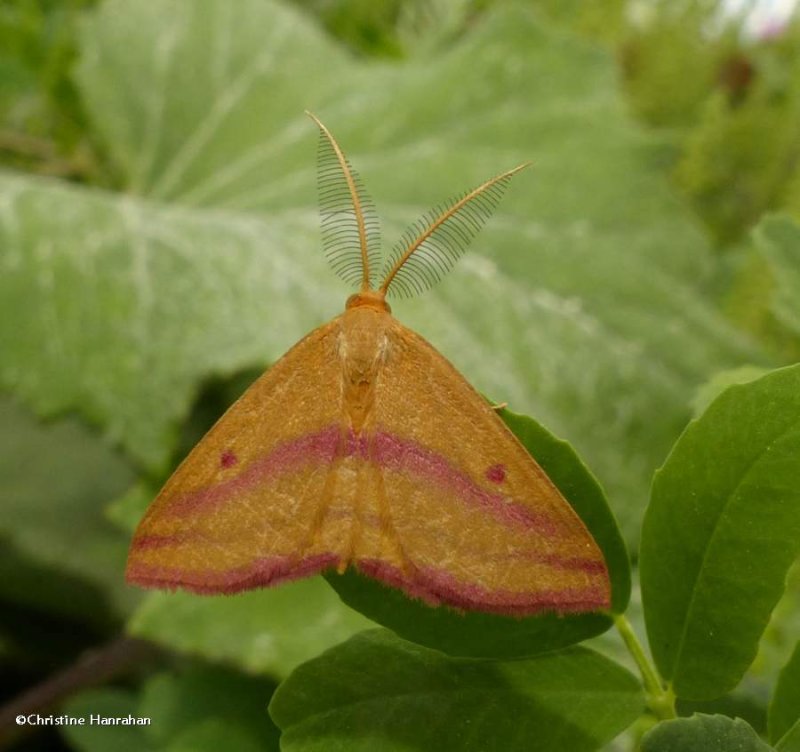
(370, 299)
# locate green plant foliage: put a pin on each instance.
(703, 733)
(208, 263)
(42, 127)
(201, 709)
(761, 277)
(720, 381)
(791, 741)
(777, 241)
(670, 64)
(108, 703)
(378, 692)
(490, 635)
(54, 481)
(180, 256)
(723, 152)
(721, 531)
(717, 90)
(266, 631)
(601, 19)
(784, 710)
(746, 702)
(367, 27)
(730, 169)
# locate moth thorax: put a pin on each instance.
(368, 298)
(363, 343)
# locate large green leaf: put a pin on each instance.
(106, 703)
(200, 709)
(491, 635)
(57, 552)
(790, 741)
(784, 710)
(721, 531)
(378, 692)
(590, 314)
(703, 733)
(182, 704)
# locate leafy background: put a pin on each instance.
(159, 246)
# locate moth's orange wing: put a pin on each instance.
(246, 507)
(461, 514)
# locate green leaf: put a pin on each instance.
(107, 703)
(726, 149)
(720, 381)
(671, 64)
(378, 692)
(784, 709)
(491, 635)
(55, 481)
(721, 531)
(212, 735)
(777, 239)
(202, 708)
(267, 631)
(182, 705)
(746, 702)
(39, 108)
(209, 264)
(790, 741)
(703, 733)
(127, 509)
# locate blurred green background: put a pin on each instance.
(159, 247)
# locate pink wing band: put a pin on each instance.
(428, 584)
(387, 451)
(271, 570)
(432, 586)
(436, 587)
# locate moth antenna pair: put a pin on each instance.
(426, 251)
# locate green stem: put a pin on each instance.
(660, 698)
(44, 154)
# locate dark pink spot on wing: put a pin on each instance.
(317, 448)
(496, 473)
(407, 456)
(228, 458)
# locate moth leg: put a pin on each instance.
(499, 406)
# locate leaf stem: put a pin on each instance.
(44, 154)
(660, 698)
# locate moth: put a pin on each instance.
(363, 446)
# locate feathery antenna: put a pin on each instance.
(432, 245)
(427, 250)
(350, 225)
